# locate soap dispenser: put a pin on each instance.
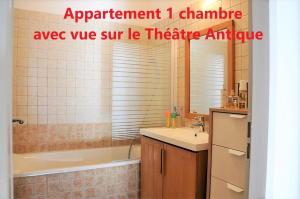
(173, 117)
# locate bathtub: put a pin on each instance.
(87, 174)
(34, 164)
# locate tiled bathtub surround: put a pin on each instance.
(55, 137)
(104, 183)
(63, 90)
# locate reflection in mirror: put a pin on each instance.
(208, 69)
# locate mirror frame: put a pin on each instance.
(230, 63)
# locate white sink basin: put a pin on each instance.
(182, 137)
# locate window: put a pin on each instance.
(141, 88)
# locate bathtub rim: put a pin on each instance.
(77, 168)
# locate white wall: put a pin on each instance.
(5, 96)
(260, 100)
(275, 150)
(283, 179)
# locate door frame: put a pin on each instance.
(6, 54)
(259, 96)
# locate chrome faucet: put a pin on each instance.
(18, 121)
(130, 148)
(200, 122)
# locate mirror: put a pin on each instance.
(209, 71)
(208, 65)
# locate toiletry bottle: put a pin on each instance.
(230, 99)
(168, 119)
(173, 117)
(223, 98)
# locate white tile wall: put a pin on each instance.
(52, 77)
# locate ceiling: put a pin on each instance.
(59, 6)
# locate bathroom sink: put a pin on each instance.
(188, 138)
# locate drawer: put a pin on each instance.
(230, 130)
(223, 190)
(230, 165)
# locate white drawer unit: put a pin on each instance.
(229, 165)
(228, 154)
(224, 190)
(230, 130)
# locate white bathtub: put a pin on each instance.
(34, 164)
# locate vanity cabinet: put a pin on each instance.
(151, 168)
(171, 172)
(228, 154)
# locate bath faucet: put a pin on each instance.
(200, 121)
(130, 148)
(18, 121)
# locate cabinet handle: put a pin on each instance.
(236, 116)
(234, 188)
(249, 130)
(236, 153)
(248, 150)
(161, 161)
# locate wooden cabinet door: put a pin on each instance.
(151, 169)
(180, 173)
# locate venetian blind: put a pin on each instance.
(140, 88)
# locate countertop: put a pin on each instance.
(229, 110)
(181, 137)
